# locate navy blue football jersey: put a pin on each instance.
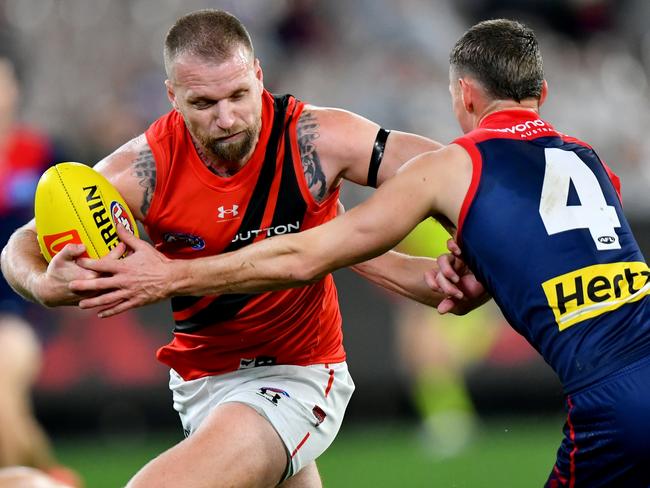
(542, 227)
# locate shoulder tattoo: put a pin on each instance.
(144, 169)
(307, 129)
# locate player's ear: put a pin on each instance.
(171, 95)
(257, 67)
(544, 93)
(467, 94)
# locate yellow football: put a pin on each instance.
(75, 204)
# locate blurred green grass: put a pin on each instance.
(507, 452)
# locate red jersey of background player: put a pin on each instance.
(196, 213)
(24, 155)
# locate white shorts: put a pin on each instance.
(305, 404)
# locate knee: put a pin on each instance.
(22, 476)
(20, 360)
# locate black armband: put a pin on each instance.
(377, 156)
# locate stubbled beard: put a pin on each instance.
(231, 152)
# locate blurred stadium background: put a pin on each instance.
(93, 78)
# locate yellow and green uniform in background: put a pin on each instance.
(439, 390)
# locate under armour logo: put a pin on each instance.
(230, 212)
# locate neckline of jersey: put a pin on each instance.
(504, 117)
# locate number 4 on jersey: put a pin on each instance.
(593, 213)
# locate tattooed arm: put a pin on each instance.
(307, 131)
(336, 144)
(144, 169)
(132, 170)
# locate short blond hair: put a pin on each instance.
(209, 34)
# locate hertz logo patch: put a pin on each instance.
(594, 290)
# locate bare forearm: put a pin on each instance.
(146, 276)
(292, 260)
(269, 266)
(401, 274)
(22, 263)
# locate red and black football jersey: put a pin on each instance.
(196, 213)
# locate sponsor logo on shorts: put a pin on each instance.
(273, 395)
(588, 292)
(320, 415)
(55, 242)
(120, 215)
(247, 363)
(181, 239)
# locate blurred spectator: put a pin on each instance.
(24, 155)
(89, 348)
(385, 60)
(302, 27)
(575, 18)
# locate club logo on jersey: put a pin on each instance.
(181, 239)
(588, 292)
(273, 395)
(119, 215)
(55, 242)
(224, 213)
(249, 235)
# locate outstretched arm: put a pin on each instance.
(336, 144)
(444, 282)
(400, 273)
(430, 184)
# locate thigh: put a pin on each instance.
(234, 446)
(21, 353)
(305, 405)
(607, 434)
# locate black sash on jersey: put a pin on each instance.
(290, 207)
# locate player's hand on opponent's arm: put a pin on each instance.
(138, 279)
(454, 279)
